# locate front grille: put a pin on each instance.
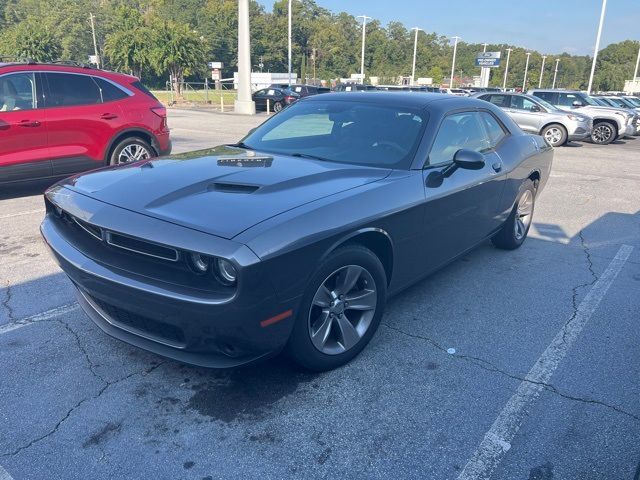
(139, 324)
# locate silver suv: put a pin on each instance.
(534, 115)
(609, 123)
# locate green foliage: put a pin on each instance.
(158, 38)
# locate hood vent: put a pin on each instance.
(232, 187)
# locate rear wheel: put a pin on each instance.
(515, 230)
(603, 133)
(340, 311)
(555, 134)
(130, 150)
(277, 106)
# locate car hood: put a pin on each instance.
(221, 191)
(594, 110)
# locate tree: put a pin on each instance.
(178, 50)
(30, 40)
(129, 46)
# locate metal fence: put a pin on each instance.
(203, 94)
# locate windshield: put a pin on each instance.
(589, 101)
(633, 100)
(343, 131)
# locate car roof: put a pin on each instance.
(401, 99)
(62, 67)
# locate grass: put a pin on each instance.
(199, 96)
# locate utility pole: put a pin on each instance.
(555, 73)
(289, 57)
(415, 48)
(244, 103)
(635, 72)
(313, 57)
(364, 35)
(453, 63)
(544, 57)
(484, 71)
(597, 47)
(95, 43)
(506, 69)
(526, 70)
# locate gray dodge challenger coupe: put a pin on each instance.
(294, 238)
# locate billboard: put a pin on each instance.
(488, 59)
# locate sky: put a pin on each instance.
(552, 26)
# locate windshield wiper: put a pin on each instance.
(312, 157)
(240, 145)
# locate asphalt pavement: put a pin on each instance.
(504, 365)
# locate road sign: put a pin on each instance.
(488, 59)
(215, 75)
(215, 65)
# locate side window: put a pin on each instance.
(67, 90)
(498, 100)
(550, 97)
(109, 91)
(460, 130)
(521, 103)
(494, 128)
(17, 92)
(261, 92)
(567, 99)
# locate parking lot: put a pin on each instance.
(515, 365)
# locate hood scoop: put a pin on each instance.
(227, 187)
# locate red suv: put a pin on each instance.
(58, 119)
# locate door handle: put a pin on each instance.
(497, 166)
(108, 116)
(29, 123)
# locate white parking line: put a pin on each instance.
(4, 475)
(11, 215)
(39, 317)
(497, 441)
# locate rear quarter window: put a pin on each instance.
(139, 86)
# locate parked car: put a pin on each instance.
(58, 119)
(609, 123)
(306, 90)
(459, 92)
(620, 102)
(274, 99)
(294, 237)
(635, 101)
(534, 115)
(353, 87)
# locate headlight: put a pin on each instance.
(200, 263)
(226, 272)
(576, 118)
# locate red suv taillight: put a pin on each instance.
(162, 113)
(289, 99)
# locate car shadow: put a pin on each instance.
(26, 189)
(573, 144)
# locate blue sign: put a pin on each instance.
(488, 59)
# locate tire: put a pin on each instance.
(603, 133)
(129, 147)
(321, 340)
(515, 229)
(555, 134)
(277, 106)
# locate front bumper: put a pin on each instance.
(167, 319)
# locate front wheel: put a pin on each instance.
(603, 133)
(340, 310)
(515, 230)
(277, 106)
(555, 135)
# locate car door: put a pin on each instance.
(79, 126)
(461, 209)
(527, 114)
(24, 152)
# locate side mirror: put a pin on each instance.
(535, 108)
(468, 159)
(577, 103)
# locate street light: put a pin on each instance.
(415, 48)
(526, 70)
(290, 15)
(597, 47)
(635, 72)
(544, 57)
(555, 73)
(506, 69)
(453, 63)
(364, 34)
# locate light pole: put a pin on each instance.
(544, 57)
(95, 43)
(635, 72)
(597, 47)
(244, 103)
(555, 73)
(415, 49)
(453, 63)
(526, 70)
(289, 56)
(364, 35)
(506, 69)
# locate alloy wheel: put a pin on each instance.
(342, 309)
(524, 212)
(602, 134)
(553, 136)
(132, 153)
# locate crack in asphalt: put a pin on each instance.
(490, 367)
(107, 384)
(91, 365)
(6, 303)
